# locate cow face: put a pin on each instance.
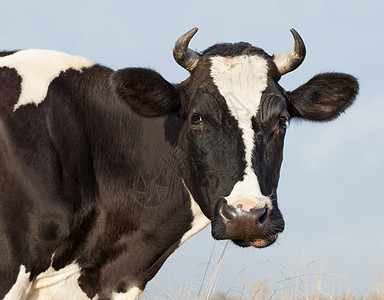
(234, 118)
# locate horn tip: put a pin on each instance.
(193, 30)
(184, 56)
(294, 33)
(299, 50)
(289, 61)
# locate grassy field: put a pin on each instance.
(263, 291)
(298, 288)
(303, 286)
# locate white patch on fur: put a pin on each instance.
(38, 68)
(21, 287)
(59, 285)
(241, 81)
(132, 294)
(200, 221)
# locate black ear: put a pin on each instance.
(146, 91)
(324, 97)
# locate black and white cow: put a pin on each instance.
(104, 174)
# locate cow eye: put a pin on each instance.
(195, 119)
(284, 121)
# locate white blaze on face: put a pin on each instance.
(241, 80)
(38, 68)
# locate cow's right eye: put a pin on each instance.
(283, 121)
(195, 119)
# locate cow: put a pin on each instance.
(103, 173)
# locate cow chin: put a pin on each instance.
(259, 243)
(258, 228)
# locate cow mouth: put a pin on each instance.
(258, 243)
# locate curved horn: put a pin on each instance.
(289, 61)
(184, 56)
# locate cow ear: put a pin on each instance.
(146, 91)
(324, 97)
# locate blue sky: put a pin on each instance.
(332, 174)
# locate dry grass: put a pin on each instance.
(301, 287)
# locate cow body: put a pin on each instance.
(104, 174)
(64, 181)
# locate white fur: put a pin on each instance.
(241, 81)
(38, 68)
(200, 221)
(59, 285)
(21, 287)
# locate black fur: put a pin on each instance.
(324, 97)
(146, 91)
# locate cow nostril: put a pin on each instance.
(263, 216)
(259, 215)
(227, 211)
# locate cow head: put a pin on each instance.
(233, 115)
